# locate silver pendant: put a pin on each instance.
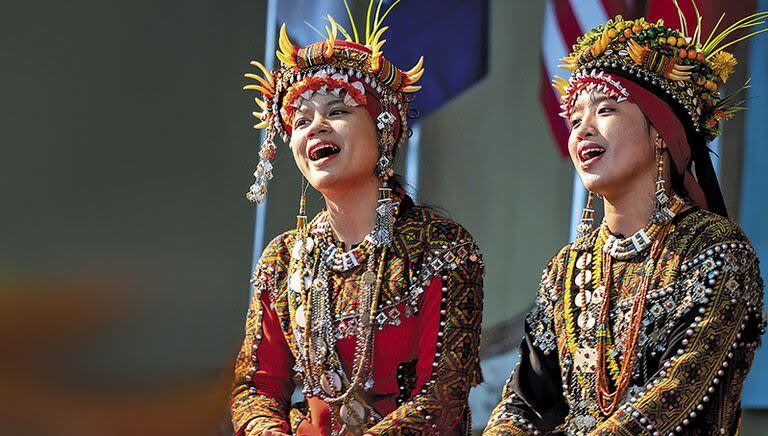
(330, 382)
(352, 413)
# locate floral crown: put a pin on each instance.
(358, 69)
(683, 68)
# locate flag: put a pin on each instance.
(452, 35)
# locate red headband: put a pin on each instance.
(668, 124)
(372, 104)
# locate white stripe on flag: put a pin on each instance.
(589, 13)
(553, 45)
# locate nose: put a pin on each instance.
(318, 126)
(586, 128)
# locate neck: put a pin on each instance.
(352, 211)
(630, 209)
(628, 214)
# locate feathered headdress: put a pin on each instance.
(685, 68)
(356, 68)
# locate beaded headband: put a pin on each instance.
(356, 69)
(684, 69)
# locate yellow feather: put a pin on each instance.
(286, 46)
(559, 83)
(410, 88)
(416, 67)
(261, 125)
(569, 67)
(256, 88)
(286, 59)
(264, 70)
(413, 78)
(679, 78)
(261, 103)
(378, 34)
(261, 80)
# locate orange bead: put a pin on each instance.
(691, 54)
(622, 39)
(611, 33)
(627, 32)
(682, 53)
(700, 57)
(671, 40)
(636, 28)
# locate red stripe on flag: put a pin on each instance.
(551, 105)
(566, 20)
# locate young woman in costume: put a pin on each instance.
(374, 306)
(647, 324)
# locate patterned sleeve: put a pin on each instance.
(532, 400)
(263, 381)
(449, 337)
(709, 352)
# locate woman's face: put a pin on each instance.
(611, 145)
(334, 145)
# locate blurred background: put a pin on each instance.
(127, 148)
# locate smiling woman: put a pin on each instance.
(374, 306)
(649, 323)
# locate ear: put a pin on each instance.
(658, 140)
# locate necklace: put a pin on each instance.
(314, 259)
(622, 249)
(627, 248)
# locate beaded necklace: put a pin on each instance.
(314, 259)
(607, 401)
(593, 283)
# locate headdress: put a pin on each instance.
(353, 67)
(682, 71)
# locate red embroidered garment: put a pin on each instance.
(426, 341)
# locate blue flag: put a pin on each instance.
(452, 35)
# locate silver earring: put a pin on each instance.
(586, 225)
(661, 215)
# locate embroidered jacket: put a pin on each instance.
(701, 324)
(426, 342)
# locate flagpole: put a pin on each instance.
(578, 200)
(412, 161)
(269, 61)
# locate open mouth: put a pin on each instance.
(590, 152)
(323, 150)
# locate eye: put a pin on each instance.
(337, 111)
(606, 110)
(301, 122)
(575, 122)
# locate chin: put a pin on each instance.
(322, 180)
(595, 183)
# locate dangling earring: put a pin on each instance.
(661, 215)
(301, 218)
(586, 224)
(386, 208)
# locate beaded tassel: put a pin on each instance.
(661, 215)
(585, 226)
(385, 217)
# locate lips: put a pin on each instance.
(322, 150)
(588, 152)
